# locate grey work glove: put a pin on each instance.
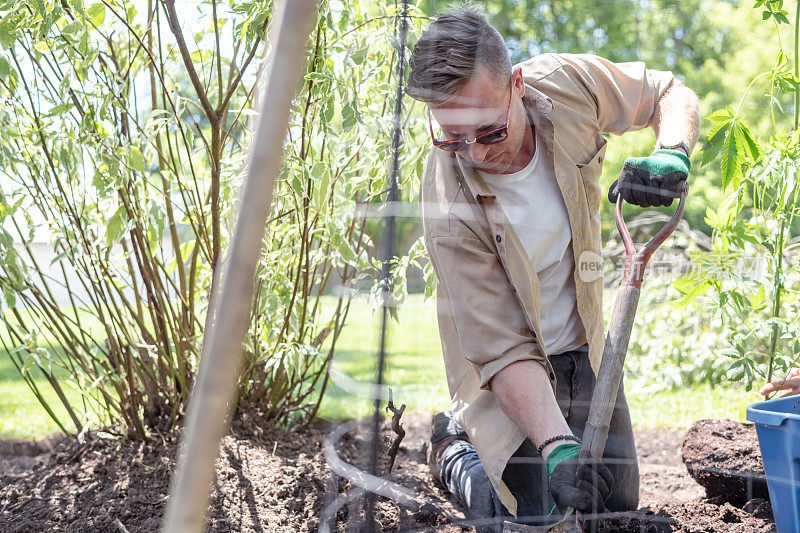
(585, 488)
(651, 181)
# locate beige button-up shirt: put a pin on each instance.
(488, 292)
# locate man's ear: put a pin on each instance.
(518, 82)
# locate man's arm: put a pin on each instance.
(525, 395)
(677, 116)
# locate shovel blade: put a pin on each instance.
(568, 524)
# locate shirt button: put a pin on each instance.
(552, 376)
(498, 238)
(600, 159)
(533, 334)
(513, 288)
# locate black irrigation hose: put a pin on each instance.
(388, 251)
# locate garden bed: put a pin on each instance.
(272, 480)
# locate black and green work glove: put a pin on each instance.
(585, 488)
(651, 181)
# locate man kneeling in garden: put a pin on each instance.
(510, 203)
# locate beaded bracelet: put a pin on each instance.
(557, 437)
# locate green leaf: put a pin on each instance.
(721, 120)
(750, 142)
(758, 300)
(137, 160)
(348, 116)
(321, 173)
(721, 114)
(297, 184)
(77, 5)
(7, 32)
(359, 116)
(344, 18)
(40, 7)
(83, 45)
(347, 253)
(714, 142)
(116, 225)
(97, 13)
(359, 55)
(72, 28)
(330, 109)
(691, 287)
(733, 156)
(9, 295)
(318, 76)
(60, 109)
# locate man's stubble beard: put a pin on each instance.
(511, 156)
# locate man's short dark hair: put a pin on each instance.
(451, 49)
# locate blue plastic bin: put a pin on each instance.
(778, 428)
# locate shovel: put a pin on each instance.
(609, 376)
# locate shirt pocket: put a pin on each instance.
(590, 176)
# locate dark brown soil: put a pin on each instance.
(268, 480)
(696, 517)
(724, 457)
(671, 500)
(271, 480)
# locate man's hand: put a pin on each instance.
(791, 384)
(651, 181)
(585, 488)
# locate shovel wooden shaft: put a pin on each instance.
(609, 375)
(604, 398)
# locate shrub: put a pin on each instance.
(122, 151)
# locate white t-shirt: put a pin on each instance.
(532, 202)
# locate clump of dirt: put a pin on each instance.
(723, 456)
(268, 479)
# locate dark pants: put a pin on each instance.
(525, 474)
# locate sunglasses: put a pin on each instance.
(490, 137)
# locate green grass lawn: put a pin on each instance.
(414, 371)
(416, 374)
(21, 414)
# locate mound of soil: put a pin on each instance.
(695, 517)
(268, 479)
(273, 480)
(724, 457)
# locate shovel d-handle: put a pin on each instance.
(635, 261)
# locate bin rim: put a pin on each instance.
(773, 412)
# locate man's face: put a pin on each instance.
(481, 107)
